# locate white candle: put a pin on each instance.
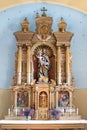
(16, 111)
(63, 111)
(77, 111)
(70, 111)
(9, 111)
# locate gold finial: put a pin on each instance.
(25, 25)
(44, 9)
(37, 15)
(62, 25)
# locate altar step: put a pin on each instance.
(15, 117)
(77, 117)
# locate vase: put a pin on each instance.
(26, 113)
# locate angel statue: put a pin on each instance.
(44, 64)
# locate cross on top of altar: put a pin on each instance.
(44, 9)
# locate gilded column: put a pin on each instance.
(33, 96)
(19, 65)
(56, 99)
(36, 104)
(28, 64)
(68, 73)
(36, 99)
(50, 101)
(59, 64)
(29, 98)
(15, 99)
(70, 93)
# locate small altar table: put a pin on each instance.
(43, 124)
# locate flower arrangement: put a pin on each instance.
(27, 112)
(31, 112)
(54, 113)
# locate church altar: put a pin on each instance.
(43, 80)
(43, 124)
(43, 83)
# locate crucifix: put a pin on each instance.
(44, 9)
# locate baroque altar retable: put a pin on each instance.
(43, 70)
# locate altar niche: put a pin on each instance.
(43, 69)
(42, 61)
(43, 99)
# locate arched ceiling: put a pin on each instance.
(76, 4)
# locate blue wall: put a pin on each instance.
(10, 22)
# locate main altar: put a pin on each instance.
(43, 81)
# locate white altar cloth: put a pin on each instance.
(43, 121)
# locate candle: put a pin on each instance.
(9, 111)
(63, 111)
(16, 111)
(77, 111)
(70, 111)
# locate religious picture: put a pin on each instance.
(22, 99)
(63, 99)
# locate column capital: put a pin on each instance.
(58, 44)
(28, 44)
(67, 44)
(19, 45)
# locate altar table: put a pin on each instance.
(43, 124)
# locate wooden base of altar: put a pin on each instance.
(39, 124)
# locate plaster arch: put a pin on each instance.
(75, 4)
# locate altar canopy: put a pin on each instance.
(43, 78)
